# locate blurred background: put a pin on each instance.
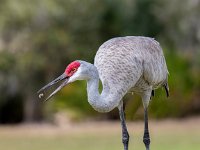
(39, 38)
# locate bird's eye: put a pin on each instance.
(74, 70)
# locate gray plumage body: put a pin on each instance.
(127, 63)
(122, 64)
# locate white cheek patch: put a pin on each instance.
(78, 75)
(75, 76)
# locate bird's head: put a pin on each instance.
(76, 70)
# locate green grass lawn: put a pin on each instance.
(100, 137)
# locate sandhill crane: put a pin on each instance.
(132, 63)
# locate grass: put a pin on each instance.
(165, 135)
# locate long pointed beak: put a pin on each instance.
(60, 78)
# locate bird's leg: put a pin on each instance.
(146, 137)
(125, 135)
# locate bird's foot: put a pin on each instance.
(146, 142)
(125, 140)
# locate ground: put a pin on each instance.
(182, 134)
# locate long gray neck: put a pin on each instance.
(103, 102)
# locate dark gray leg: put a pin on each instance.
(125, 135)
(146, 137)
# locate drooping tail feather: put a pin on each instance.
(152, 93)
(166, 88)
